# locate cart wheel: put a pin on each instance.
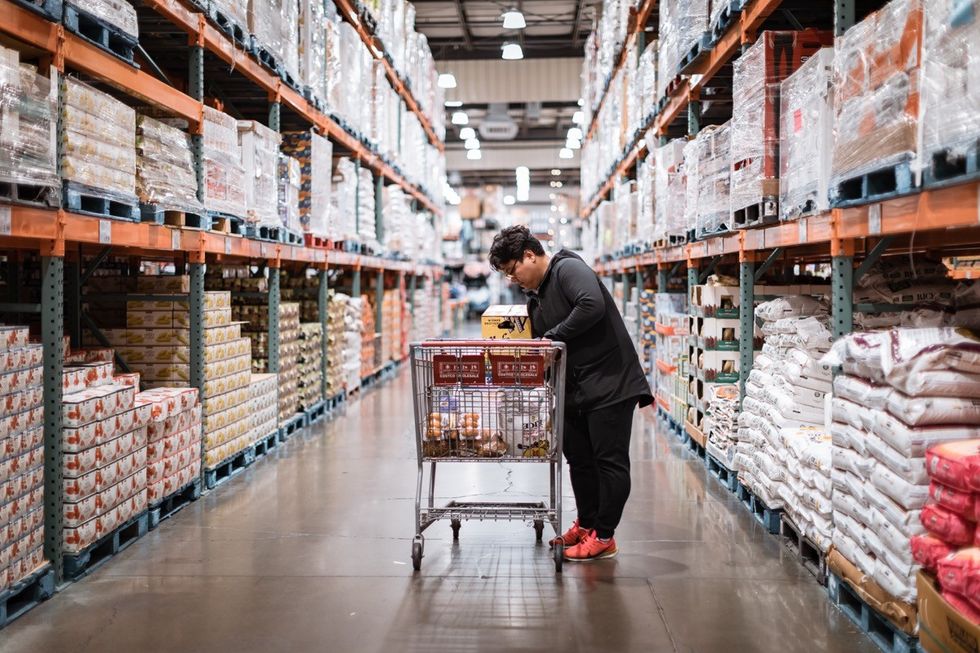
(559, 552)
(539, 530)
(417, 554)
(455, 523)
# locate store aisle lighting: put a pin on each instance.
(452, 197)
(447, 80)
(578, 117)
(509, 200)
(452, 104)
(575, 133)
(573, 144)
(512, 52)
(460, 118)
(474, 155)
(566, 153)
(555, 172)
(466, 133)
(472, 144)
(523, 174)
(513, 19)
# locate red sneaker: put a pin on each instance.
(572, 536)
(591, 548)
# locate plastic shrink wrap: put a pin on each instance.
(806, 135)
(366, 228)
(236, 10)
(646, 188)
(118, 13)
(332, 67)
(343, 210)
(682, 23)
(290, 184)
(165, 167)
(313, 49)
(290, 36)
(606, 225)
(224, 175)
(260, 158)
(98, 140)
(315, 156)
(692, 182)
(265, 24)
(28, 121)
(950, 86)
(758, 75)
(876, 83)
(646, 81)
(671, 183)
(714, 166)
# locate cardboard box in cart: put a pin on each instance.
(506, 322)
(941, 628)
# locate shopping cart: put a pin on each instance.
(488, 401)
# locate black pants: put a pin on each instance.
(597, 447)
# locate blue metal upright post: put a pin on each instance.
(52, 337)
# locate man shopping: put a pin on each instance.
(604, 381)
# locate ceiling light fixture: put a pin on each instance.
(556, 172)
(447, 80)
(474, 155)
(452, 104)
(578, 117)
(513, 19)
(573, 144)
(512, 52)
(565, 153)
(509, 200)
(472, 144)
(466, 133)
(460, 118)
(575, 133)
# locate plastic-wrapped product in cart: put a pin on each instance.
(714, 167)
(805, 137)
(260, 157)
(118, 13)
(671, 183)
(98, 140)
(289, 186)
(313, 49)
(950, 87)
(758, 75)
(876, 80)
(224, 175)
(165, 167)
(28, 120)
(315, 156)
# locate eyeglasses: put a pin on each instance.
(513, 269)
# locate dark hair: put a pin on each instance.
(510, 245)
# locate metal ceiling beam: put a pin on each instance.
(464, 23)
(578, 15)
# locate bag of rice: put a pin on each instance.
(947, 525)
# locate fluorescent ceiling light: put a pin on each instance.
(573, 144)
(474, 155)
(575, 133)
(512, 52)
(578, 117)
(522, 172)
(460, 118)
(581, 102)
(523, 194)
(565, 153)
(509, 200)
(556, 172)
(472, 144)
(514, 19)
(467, 133)
(452, 104)
(447, 80)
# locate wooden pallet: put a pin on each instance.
(30, 194)
(758, 214)
(886, 635)
(699, 51)
(103, 34)
(229, 468)
(79, 198)
(807, 552)
(884, 183)
(266, 444)
(725, 476)
(291, 426)
(174, 503)
(50, 9)
(238, 34)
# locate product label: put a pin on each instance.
(517, 370)
(450, 370)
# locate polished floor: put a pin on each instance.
(310, 550)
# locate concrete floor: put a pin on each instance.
(310, 550)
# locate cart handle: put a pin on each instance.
(490, 343)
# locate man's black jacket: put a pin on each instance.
(572, 306)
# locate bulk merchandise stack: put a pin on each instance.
(263, 406)
(260, 159)
(21, 456)
(336, 341)
(173, 437)
(314, 154)
(648, 334)
(713, 155)
(392, 328)
(670, 190)
(425, 312)
(352, 339)
(290, 186)
(343, 202)
(672, 362)
(226, 186)
(165, 179)
(369, 338)
(310, 373)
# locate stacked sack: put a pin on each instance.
(720, 426)
(352, 342)
(950, 548)
(783, 451)
(902, 391)
(369, 338)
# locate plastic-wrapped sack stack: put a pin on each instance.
(713, 155)
(806, 136)
(173, 453)
(671, 190)
(682, 24)
(336, 310)
(758, 75)
(902, 391)
(950, 550)
(645, 83)
(353, 346)
(424, 314)
(692, 184)
(290, 184)
(366, 229)
(399, 234)
(315, 156)
(224, 175)
(118, 13)
(876, 83)
(646, 189)
(783, 451)
(950, 92)
(369, 337)
(165, 167)
(263, 406)
(391, 325)
(21, 455)
(28, 121)
(98, 135)
(260, 156)
(310, 356)
(313, 49)
(720, 427)
(343, 210)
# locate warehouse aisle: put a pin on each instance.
(310, 551)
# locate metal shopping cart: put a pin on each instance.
(480, 401)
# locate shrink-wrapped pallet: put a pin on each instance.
(343, 211)
(236, 10)
(646, 188)
(290, 37)
(28, 120)
(671, 184)
(118, 13)
(315, 156)
(260, 155)
(224, 176)
(332, 66)
(950, 87)
(682, 24)
(366, 228)
(758, 75)
(714, 171)
(806, 136)
(265, 23)
(290, 183)
(692, 181)
(876, 83)
(313, 49)
(165, 175)
(98, 140)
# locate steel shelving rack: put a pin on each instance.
(64, 239)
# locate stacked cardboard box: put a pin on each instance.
(314, 154)
(714, 351)
(225, 183)
(369, 338)
(263, 406)
(648, 333)
(290, 186)
(21, 456)
(310, 357)
(173, 453)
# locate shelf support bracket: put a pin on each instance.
(762, 269)
(873, 256)
(746, 321)
(712, 264)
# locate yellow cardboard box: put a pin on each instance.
(506, 322)
(941, 628)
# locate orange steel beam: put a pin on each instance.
(78, 54)
(374, 44)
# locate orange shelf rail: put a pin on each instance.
(933, 211)
(376, 47)
(51, 230)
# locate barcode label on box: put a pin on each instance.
(105, 232)
(801, 236)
